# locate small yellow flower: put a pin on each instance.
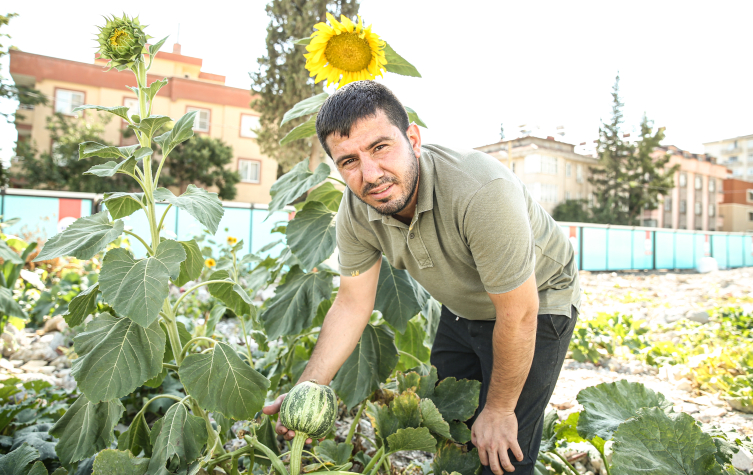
(344, 52)
(210, 262)
(231, 241)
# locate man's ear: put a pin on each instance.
(414, 138)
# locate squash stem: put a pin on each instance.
(296, 452)
(354, 424)
(376, 458)
(274, 460)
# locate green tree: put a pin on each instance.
(572, 211)
(282, 80)
(60, 168)
(629, 178)
(202, 160)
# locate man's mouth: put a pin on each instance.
(382, 191)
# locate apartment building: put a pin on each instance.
(694, 201)
(223, 112)
(551, 170)
(737, 205)
(736, 154)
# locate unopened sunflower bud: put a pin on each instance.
(122, 41)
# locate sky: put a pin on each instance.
(686, 64)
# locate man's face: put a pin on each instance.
(378, 164)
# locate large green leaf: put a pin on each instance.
(329, 195)
(121, 205)
(38, 469)
(120, 111)
(657, 443)
(230, 293)
(397, 64)
(311, 234)
(608, 405)
(433, 420)
(191, 268)
(398, 297)
(151, 124)
(382, 418)
(181, 131)
(331, 451)
(405, 406)
(214, 317)
(451, 458)
(549, 433)
(82, 305)
(17, 462)
(460, 432)
(8, 305)
(204, 206)
(115, 462)
(411, 439)
(221, 381)
(295, 303)
(302, 131)
(412, 342)
(305, 107)
(137, 288)
(177, 440)
(94, 149)
(295, 183)
(116, 356)
(371, 363)
(8, 254)
(456, 400)
(83, 238)
(431, 311)
(86, 428)
(127, 167)
(413, 117)
(423, 385)
(154, 87)
(137, 437)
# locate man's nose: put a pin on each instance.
(371, 170)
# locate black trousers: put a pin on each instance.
(463, 349)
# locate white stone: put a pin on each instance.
(706, 265)
(742, 461)
(700, 316)
(33, 365)
(683, 385)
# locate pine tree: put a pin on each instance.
(628, 179)
(282, 81)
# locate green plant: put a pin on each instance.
(605, 335)
(309, 409)
(14, 252)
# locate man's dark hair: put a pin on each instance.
(355, 101)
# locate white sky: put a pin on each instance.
(687, 64)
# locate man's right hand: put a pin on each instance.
(280, 429)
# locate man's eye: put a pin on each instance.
(379, 147)
(348, 162)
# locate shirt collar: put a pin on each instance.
(425, 188)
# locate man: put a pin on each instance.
(466, 229)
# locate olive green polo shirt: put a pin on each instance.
(476, 230)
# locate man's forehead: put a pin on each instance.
(363, 131)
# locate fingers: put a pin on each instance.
(496, 459)
(494, 462)
(515, 448)
(504, 459)
(274, 408)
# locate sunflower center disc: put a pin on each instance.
(119, 37)
(348, 52)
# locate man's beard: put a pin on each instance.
(394, 206)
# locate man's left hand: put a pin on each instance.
(493, 433)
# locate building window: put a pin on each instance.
(568, 169)
(66, 101)
(249, 170)
(737, 172)
(667, 204)
(750, 196)
(712, 210)
(512, 164)
(712, 185)
(201, 122)
(750, 215)
(541, 164)
(542, 192)
(698, 182)
(750, 144)
(732, 146)
(732, 159)
(567, 195)
(698, 208)
(750, 171)
(683, 180)
(683, 206)
(579, 173)
(249, 125)
(132, 105)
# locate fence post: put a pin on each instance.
(606, 254)
(580, 245)
(653, 250)
(251, 231)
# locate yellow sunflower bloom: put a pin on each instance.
(344, 52)
(231, 241)
(210, 262)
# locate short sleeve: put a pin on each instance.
(354, 256)
(498, 232)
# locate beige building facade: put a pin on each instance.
(223, 112)
(734, 153)
(551, 170)
(737, 206)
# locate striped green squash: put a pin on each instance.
(310, 410)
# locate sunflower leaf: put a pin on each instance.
(397, 64)
(306, 129)
(292, 185)
(305, 107)
(413, 117)
(303, 41)
(120, 111)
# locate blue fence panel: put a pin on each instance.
(263, 230)
(38, 216)
(735, 251)
(574, 235)
(595, 249)
(642, 250)
(620, 244)
(684, 260)
(748, 244)
(665, 250)
(719, 249)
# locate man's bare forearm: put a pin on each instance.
(514, 344)
(341, 330)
